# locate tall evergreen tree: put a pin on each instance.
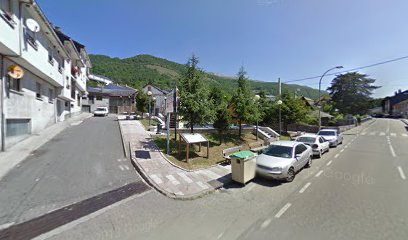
(351, 92)
(222, 113)
(195, 105)
(243, 100)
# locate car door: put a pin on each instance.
(323, 144)
(300, 149)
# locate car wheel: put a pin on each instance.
(310, 161)
(328, 149)
(320, 154)
(291, 175)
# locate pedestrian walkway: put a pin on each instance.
(163, 175)
(17, 153)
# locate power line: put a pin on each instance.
(350, 70)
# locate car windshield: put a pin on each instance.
(327, 133)
(101, 109)
(279, 151)
(306, 139)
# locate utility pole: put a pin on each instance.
(280, 107)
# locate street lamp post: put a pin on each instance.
(149, 93)
(256, 98)
(280, 117)
(320, 85)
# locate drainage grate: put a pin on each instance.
(52, 220)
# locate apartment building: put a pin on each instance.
(35, 71)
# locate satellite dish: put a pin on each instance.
(32, 25)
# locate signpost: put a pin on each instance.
(171, 107)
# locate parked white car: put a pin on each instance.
(283, 159)
(332, 135)
(318, 144)
(101, 111)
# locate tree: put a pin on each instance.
(243, 100)
(222, 113)
(142, 102)
(351, 92)
(195, 105)
(292, 110)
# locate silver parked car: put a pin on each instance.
(332, 135)
(318, 144)
(283, 159)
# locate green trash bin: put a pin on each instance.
(243, 166)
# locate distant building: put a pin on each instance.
(160, 96)
(401, 108)
(37, 78)
(308, 102)
(117, 98)
(389, 103)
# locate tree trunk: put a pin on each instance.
(191, 128)
(240, 128)
(142, 115)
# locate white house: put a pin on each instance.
(158, 105)
(29, 45)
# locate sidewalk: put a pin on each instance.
(165, 177)
(17, 153)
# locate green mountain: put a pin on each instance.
(139, 70)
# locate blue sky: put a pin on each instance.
(290, 39)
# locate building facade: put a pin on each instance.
(159, 96)
(31, 98)
(389, 103)
(117, 98)
(401, 108)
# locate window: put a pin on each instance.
(321, 140)
(50, 95)
(50, 58)
(98, 98)
(6, 7)
(13, 84)
(92, 99)
(38, 88)
(78, 100)
(30, 36)
(17, 127)
(300, 149)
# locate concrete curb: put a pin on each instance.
(145, 176)
(123, 140)
(405, 121)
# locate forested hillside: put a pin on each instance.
(139, 70)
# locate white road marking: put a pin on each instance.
(184, 177)
(202, 185)
(220, 235)
(382, 133)
(121, 168)
(393, 134)
(37, 179)
(126, 167)
(156, 179)
(6, 225)
(337, 155)
(330, 162)
(392, 151)
(304, 187)
(319, 173)
(372, 133)
(345, 146)
(364, 133)
(342, 150)
(401, 172)
(283, 210)
(173, 180)
(404, 135)
(266, 223)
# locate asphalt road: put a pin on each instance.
(82, 161)
(356, 191)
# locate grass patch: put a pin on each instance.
(145, 122)
(198, 158)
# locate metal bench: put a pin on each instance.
(257, 147)
(229, 151)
